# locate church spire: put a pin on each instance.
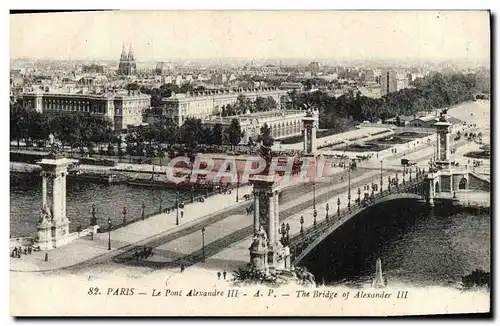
(123, 56)
(130, 53)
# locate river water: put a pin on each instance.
(417, 246)
(26, 201)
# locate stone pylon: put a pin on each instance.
(266, 214)
(53, 224)
(310, 122)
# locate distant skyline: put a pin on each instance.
(254, 35)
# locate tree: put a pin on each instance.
(242, 105)
(18, 125)
(264, 104)
(217, 134)
(190, 133)
(234, 133)
(207, 135)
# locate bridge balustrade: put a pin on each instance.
(301, 241)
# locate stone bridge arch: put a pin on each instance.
(321, 237)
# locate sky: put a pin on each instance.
(174, 35)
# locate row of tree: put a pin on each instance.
(77, 130)
(81, 131)
(244, 104)
(431, 92)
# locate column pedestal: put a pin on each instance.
(53, 225)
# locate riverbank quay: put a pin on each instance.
(87, 248)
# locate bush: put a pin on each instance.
(251, 275)
(96, 161)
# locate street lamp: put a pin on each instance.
(143, 206)
(287, 234)
(314, 194)
(124, 212)
(109, 233)
(302, 224)
(315, 213)
(349, 190)
(338, 206)
(327, 208)
(93, 220)
(237, 188)
(381, 181)
(203, 242)
(177, 207)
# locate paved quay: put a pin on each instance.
(84, 249)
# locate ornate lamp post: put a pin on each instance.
(349, 190)
(93, 219)
(124, 212)
(338, 206)
(237, 188)
(143, 207)
(302, 224)
(381, 180)
(177, 207)
(109, 233)
(314, 195)
(315, 214)
(203, 242)
(327, 208)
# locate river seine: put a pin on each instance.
(417, 246)
(26, 201)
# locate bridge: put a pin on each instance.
(304, 242)
(420, 186)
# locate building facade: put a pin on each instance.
(127, 65)
(121, 110)
(202, 105)
(283, 123)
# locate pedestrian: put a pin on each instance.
(29, 250)
(224, 273)
(25, 251)
(218, 275)
(182, 268)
